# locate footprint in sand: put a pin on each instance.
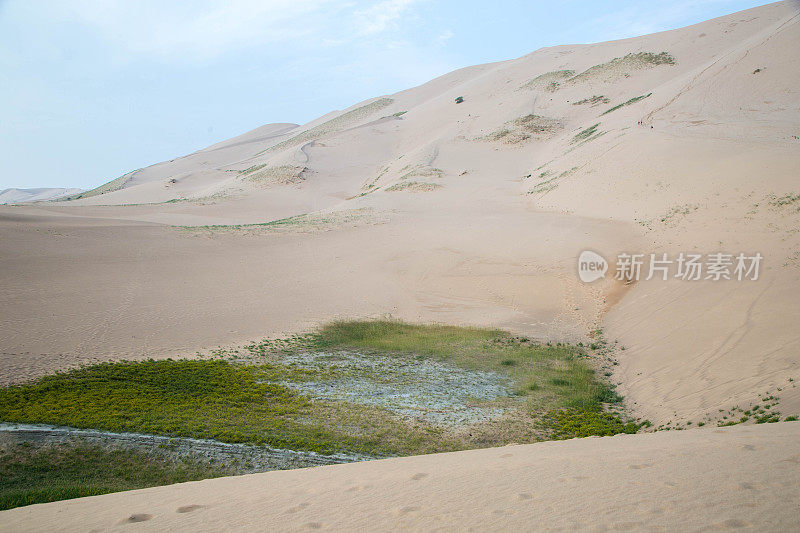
(525, 496)
(793, 459)
(299, 507)
(733, 523)
(419, 475)
(138, 517)
(188, 508)
(314, 525)
(405, 510)
(748, 447)
(750, 486)
(627, 526)
(639, 467)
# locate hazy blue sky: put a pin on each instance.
(90, 90)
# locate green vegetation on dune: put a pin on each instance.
(60, 472)
(593, 101)
(623, 104)
(111, 186)
(549, 81)
(417, 186)
(609, 71)
(305, 222)
(250, 170)
(586, 135)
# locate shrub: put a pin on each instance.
(572, 423)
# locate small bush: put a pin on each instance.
(572, 423)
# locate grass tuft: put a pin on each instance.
(629, 102)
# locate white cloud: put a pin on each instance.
(381, 16)
(443, 37)
(205, 29)
(196, 29)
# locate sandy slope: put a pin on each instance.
(742, 478)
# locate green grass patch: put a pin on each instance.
(258, 393)
(585, 135)
(252, 169)
(623, 104)
(209, 399)
(576, 422)
(49, 473)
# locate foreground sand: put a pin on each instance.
(712, 479)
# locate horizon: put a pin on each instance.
(94, 93)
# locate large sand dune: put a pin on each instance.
(471, 213)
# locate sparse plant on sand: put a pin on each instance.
(593, 101)
(586, 134)
(415, 186)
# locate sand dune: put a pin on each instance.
(13, 196)
(701, 480)
(469, 213)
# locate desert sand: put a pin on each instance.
(702, 480)
(414, 206)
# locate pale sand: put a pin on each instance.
(93, 280)
(702, 480)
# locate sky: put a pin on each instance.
(92, 89)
